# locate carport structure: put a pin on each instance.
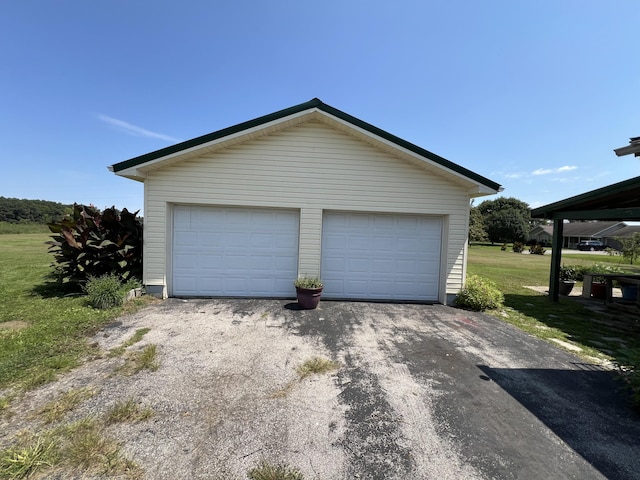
(620, 201)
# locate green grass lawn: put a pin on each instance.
(43, 331)
(567, 320)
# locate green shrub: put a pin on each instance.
(479, 294)
(537, 250)
(107, 291)
(605, 269)
(91, 243)
(518, 247)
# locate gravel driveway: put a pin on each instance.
(423, 391)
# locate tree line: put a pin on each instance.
(21, 211)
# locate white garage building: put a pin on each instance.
(308, 190)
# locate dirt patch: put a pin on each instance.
(13, 325)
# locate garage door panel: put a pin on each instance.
(210, 239)
(226, 251)
(381, 256)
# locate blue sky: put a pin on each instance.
(533, 95)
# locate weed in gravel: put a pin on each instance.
(90, 450)
(141, 360)
(56, 409)
(78, 447)
(316, 366)
(5, 403)
(139, 335)
(313, 366)
(127, 411)
(23, 461)
(266, 471)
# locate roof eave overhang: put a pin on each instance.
(629, 149)
(585, 206)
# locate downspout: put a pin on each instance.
(556, 259)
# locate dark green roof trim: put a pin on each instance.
(588, 201)
(315, 103)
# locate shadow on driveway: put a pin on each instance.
(582, 407)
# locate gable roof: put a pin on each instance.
(626, 231)
(590, 229)
(134, 167)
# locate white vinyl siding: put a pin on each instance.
(311, 167)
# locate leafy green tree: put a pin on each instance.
(630, 247)
(477, 228)
(507, 219)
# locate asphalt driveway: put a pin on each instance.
(423, 391)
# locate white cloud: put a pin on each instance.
(546, 171)
(135, 130)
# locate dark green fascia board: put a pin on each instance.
(570, 204)
(315, 103)
(605, 214)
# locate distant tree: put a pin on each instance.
(507, 219)
(14, 210)
(630, 247)
(477, 228)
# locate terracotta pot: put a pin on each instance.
(308, 298)
(599, 291)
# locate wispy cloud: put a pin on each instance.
(546, 171)
(135, 130)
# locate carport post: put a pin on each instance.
(556, 259)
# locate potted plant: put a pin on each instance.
(567, 280)
(308, 291)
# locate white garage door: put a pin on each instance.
(380, 256)
(236, 252)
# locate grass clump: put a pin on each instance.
(313, 366)
(127, 411)
(54, 411)
(479, 294)
(79, 448)
(316, 366)
(107, 291)
(25, 460)
(267, 471)
(145, 359)
(139, 335)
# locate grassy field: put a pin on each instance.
(568, 321)
(43, 330)
(18, 228)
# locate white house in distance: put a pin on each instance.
(305, 191)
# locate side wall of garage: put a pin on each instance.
(311, 168)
